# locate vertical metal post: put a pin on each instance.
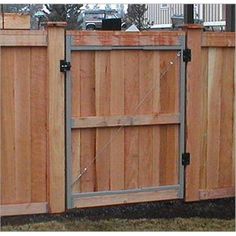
(182, 97)
(68, 129)
(188, 14)
(230, 17)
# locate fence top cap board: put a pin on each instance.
(56, 24)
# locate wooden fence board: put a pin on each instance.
(216, 39)
(226, 125)
(38, 110)
(8, 162)
(87, 108)
(102, 98)
(23, 124)
(131, 134)
(117, 108)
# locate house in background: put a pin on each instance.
(162, 13)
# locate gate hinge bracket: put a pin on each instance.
(64, 66)
(187, 55)
(185, 159)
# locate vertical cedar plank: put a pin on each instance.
(87, 108)
(214, 116)
(38, 107)
(203, 155)
(117, 108)
(156, 129)
(145, 133)
(169, 103)
(226, 126)
(131, 71)
(75, 139)
(103, 135)
(1, 125)
(8, 162)
(195, 84)
(234, 131)
(56, 112)
(22, 125)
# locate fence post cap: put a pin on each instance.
(192, 26)
(56, 24)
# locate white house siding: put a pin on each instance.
(207, 12)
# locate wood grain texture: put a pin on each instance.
(56, 133)
(216, 193)
(195, 114)
(15, 21)
(38, 114)
(87, 108)
(22, 125)
(125, 120)
(146, 107)
(216, 39)
(23, 209)
(204, 95)
(23, 38)
(131, 61)
(8, 160)
(117, 108)
(214, 116)
(103, 136)
(126, 198)
(226, 125)
(116, 38)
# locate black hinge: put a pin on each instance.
(64, 66)
(185, 159)
(187, 55)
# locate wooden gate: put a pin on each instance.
(124, 117)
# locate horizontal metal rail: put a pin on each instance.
(110, 48)
(140, 190)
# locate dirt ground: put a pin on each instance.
(217, 215)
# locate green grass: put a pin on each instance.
(173, 224)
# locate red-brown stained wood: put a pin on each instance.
(117, 108)
(38, 113)
(87, 108)
(216, 39)
(226, 126)
(194, 114)
(215, 78)
(22, 125)
(131, 134)
(204, 95)
(146, 107)
(115, 38)
(169, 102)
(103, 136)
(8, 160)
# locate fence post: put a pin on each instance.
(56, 118)
(194, 112)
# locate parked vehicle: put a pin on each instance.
(92, 19)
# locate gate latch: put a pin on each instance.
(64, 66)
(187, 55)
(185, 159)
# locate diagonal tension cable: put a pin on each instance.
(114, 135)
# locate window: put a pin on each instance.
(164, 6)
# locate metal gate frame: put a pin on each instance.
(182, 96)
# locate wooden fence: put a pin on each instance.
(211, 113)
(33, 117)
(32, 121)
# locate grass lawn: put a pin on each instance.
(175, 224)
(218, 215)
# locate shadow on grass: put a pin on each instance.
(217, 209)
